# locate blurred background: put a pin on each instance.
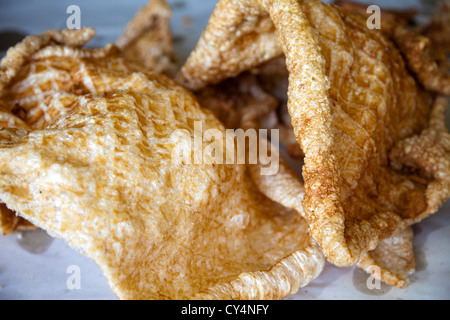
(23, 17)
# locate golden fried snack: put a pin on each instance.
(351, 100)
(395, 259)
(239, 37)
(425, 48)
(241, 103)
(425, 157)
(390, 18)
(26, 102)
(41, 90)
(9, 120)
(11, 223)
(107, 177)
(273, 77)
(147, 38)
(438, 31)
(419, 54)
(254, 99)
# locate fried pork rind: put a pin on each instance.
(242, 39)
(395, 259)
(11, 223)
(418, 52)
(239, 102)
(438, 31)
(255, 99)
(390, 18)
(104, 177)
(25, 104)
(425, 157)
(351, 99)
(242, 102)
(427, 48)
(147, 38)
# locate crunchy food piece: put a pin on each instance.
(351, 100)
(11, 223)
(17, 55)
(395, 255)
(24, 104)
(425, 157)
(427, 49)
(147, 38)
(230, 101)
(36, 89)
(9, 120)
(239, 102)
(390, 18)
(16, 105)
(274, 79)
(254, 99)
(438, 31)
(235, 40)
(395, 259)
(107, 177)
(419, 54)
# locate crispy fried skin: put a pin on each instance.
(351, 100)
(390, 18)
(255, 99)
(395, 259)
(438, 31)
(24, 103)
(106, 177)
(147, 38)
(419, 54)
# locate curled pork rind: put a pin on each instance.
(351, 100)
(147, 38)
(105, 177)
(241, 102)
(393, 258)
(25, 103)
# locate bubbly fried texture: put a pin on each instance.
(11, 223)
(147, 38)
(255, 99)
(425, 157)
(25, 104)
(239, 102)
(237, 36)
(427, 48)
(106, 177)
(395, 259)
(351, 100)
(9, 120)
(418, 50)
(438, 31)
(390, 18)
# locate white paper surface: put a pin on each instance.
(47, 274)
